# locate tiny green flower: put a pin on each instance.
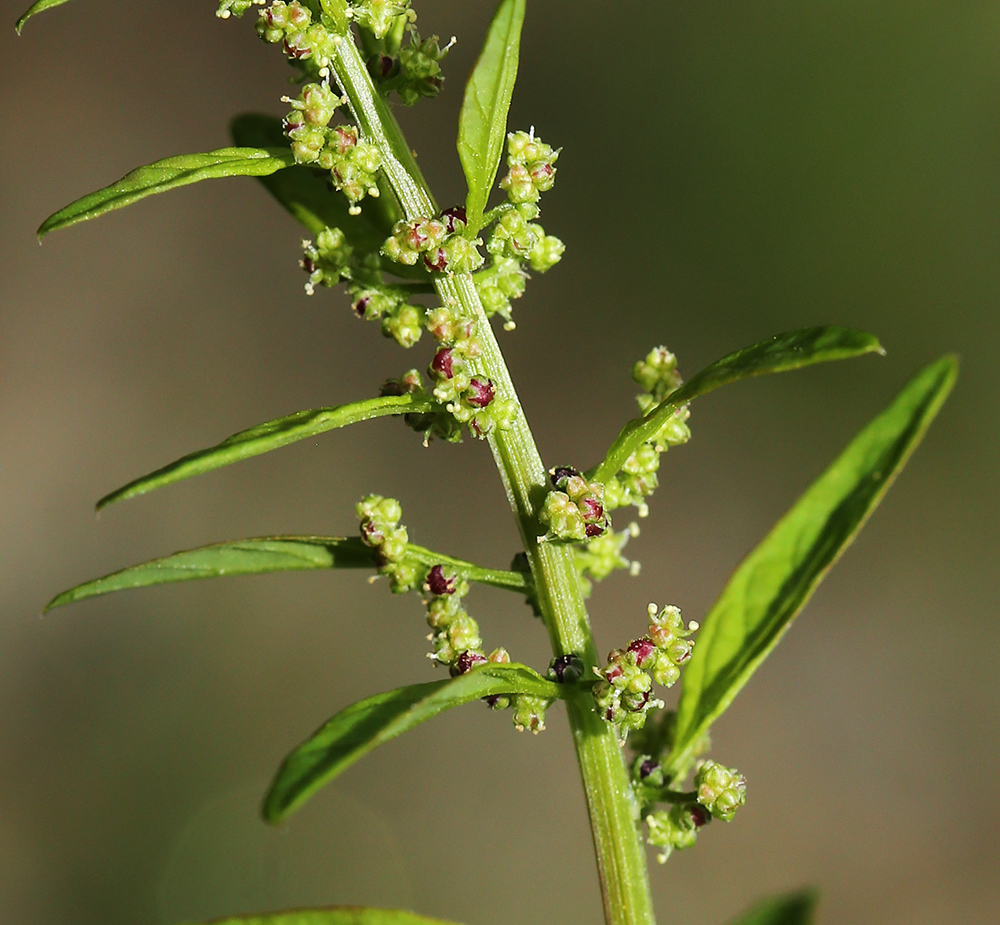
(673, 829)
(721, 790)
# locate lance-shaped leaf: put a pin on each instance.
(276, 554)
(774, 582)
(790, 909)
(37, 7)
(168, 174)
(333, 915)
(354, 732)
(270, 436)
(482, 125)
(775, 355)
(306, 193)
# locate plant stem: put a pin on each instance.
(621, 857)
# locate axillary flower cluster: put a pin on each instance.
(386, 271)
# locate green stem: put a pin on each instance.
(614, 812)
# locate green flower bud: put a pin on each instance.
(327, 260)
(405, 323)
(721, 790)
(461, 254)
(514, 236)
(420, 68)
(546, 253)
(379, 16)
(603, 555)
(670, 829)
(657, 373)
(529, 713)
(531, 171)
(236, 8)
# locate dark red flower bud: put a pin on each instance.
(453, 215)
(699, 815)
(561, 475)
(481, 392)
(566, 669)
(443, 363)
(385, 64)
(438, 582)
(371, 534)
(643, 650)
(309, 265)
(592, 510)
(647, 768)
(467, 661)
(436, 259)
(593, 530)
(361, 306)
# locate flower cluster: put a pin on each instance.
(419, 68)
(574, 509)
(517, 241)
(431, 424)
(530, 167)
(379, 16)
(721, 790)
(603, 555)
(623, 696)
(440, 242)
(310, 44)
(327, 261)
(675, 828)
(351, 162)
(657, 375)
(380, 529)
(471, 398)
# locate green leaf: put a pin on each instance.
(37, 7)
(166, 175)
(774, 582)
(482, 125)
(791, 909)
(775, 355)
(275, 554)
(306, 193)
(364, 726)
(269, 436)
(238, 557)
(334, 915)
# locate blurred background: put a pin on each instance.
(730, 170)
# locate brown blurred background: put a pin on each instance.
(730, 170)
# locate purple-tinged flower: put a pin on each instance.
(480, 393)
(439, 583)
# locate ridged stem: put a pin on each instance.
(621, 857)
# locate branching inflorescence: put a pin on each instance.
(339, 163)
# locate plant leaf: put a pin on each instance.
(38, 7)
(166, 175)
(364, 726)
(791, 909)
(333, 915)
(782, 352)
(238, 557)
(266, 437)
(275, 554)
(307, 194)
(774, 582)
(482, 125)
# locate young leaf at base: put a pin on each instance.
(482, 125)
(777, 354)
(790, 909)
(269, 436)
(776, 580)
(167, 175)
(357, 730)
